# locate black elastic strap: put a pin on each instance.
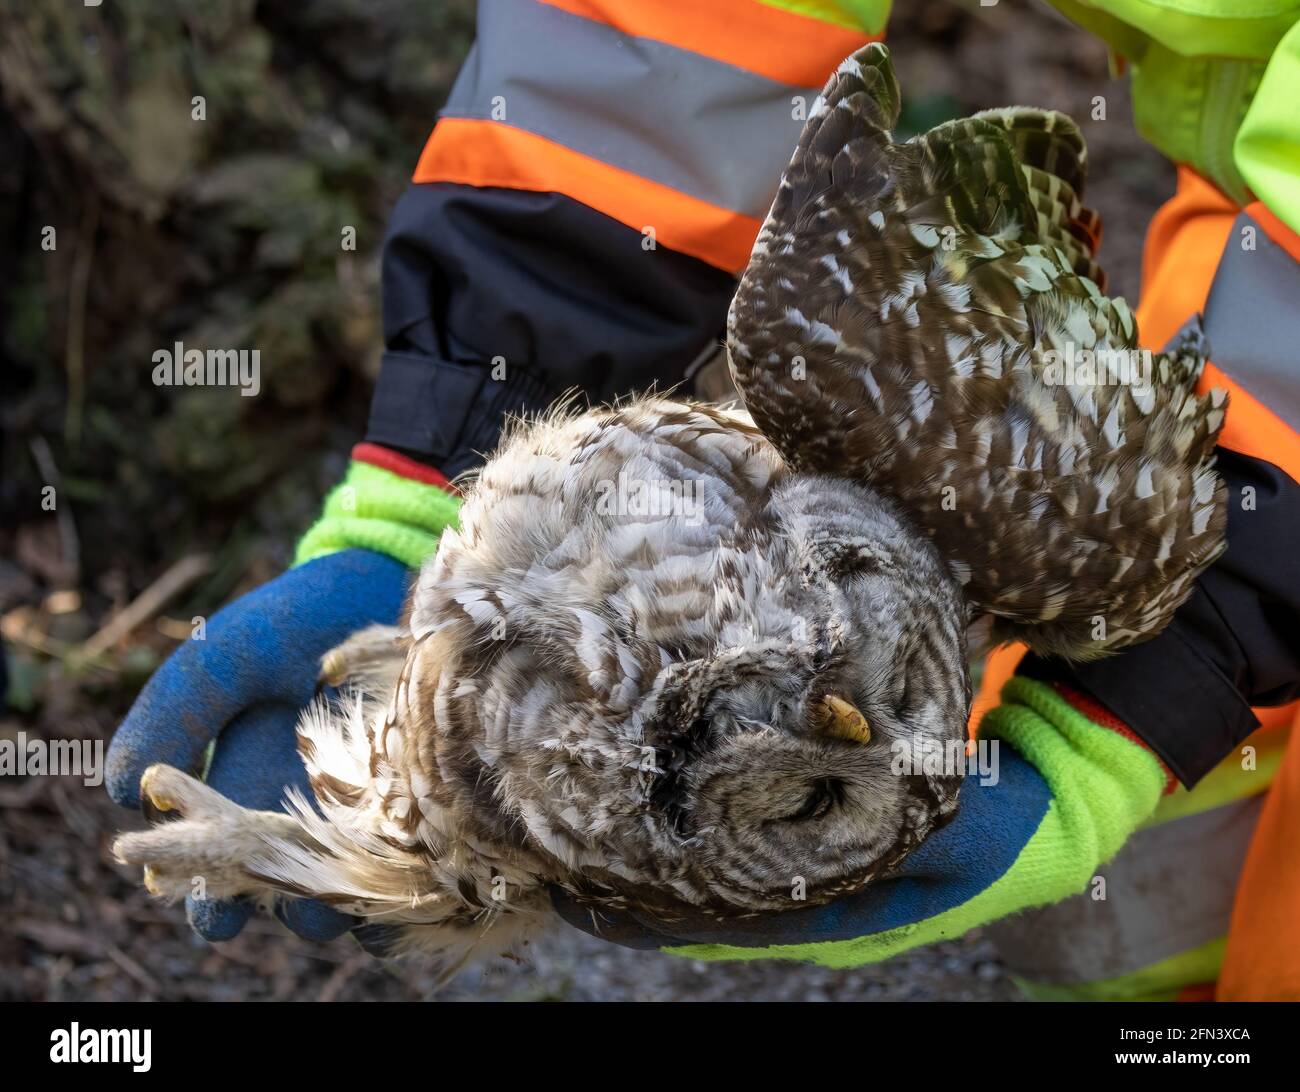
(1234, 644)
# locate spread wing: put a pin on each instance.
(928, 315)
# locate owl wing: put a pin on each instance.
(927, 316)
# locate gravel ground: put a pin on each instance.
(75, 926)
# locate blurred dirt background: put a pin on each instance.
(227, 232)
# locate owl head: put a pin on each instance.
(786, 750)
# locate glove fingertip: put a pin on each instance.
(216, 920)
(313, 920)
(377, 940)
(121, 780)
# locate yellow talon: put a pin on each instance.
(157, 799)
(841, 719)
(333, 669)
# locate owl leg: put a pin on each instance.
(201, 843)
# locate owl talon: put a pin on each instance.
(199, 833)
(369, 655)
(333, 669)
(154, 803)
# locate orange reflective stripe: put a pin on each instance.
(999, 666)
(1186, 238)
(780, 45)
(474, 152)
(1275, 229)
(1251, 427)
(1262, 959)
(1182, 250)
(1183, 247)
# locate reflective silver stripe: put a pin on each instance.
(1252, 318)
(1168, 891)
(703, 127)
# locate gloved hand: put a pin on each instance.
(1071, 785)
(244, 684)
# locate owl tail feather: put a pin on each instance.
(1045, 139)
(1053, 159)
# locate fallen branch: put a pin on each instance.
(148, 603)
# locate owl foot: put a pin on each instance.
(371, 658)
(201, 843)
(205, 845)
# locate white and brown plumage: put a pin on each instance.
(895, 323)
(688, 702)
(653, 703)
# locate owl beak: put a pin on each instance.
(833, 716)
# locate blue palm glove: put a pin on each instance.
(1071, 786)
(244, 686)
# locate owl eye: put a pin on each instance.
(822, 796)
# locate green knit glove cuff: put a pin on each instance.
(375, 509)
(1102, 781)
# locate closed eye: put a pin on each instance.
(914, 682)
(822, 796)
(907, 702)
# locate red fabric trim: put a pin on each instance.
(401, 465)
(1099, 714)
(1203, 991)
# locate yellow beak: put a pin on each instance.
(836, 717)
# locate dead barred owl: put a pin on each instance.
(667, 656)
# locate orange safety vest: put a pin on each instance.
(1184, 245)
